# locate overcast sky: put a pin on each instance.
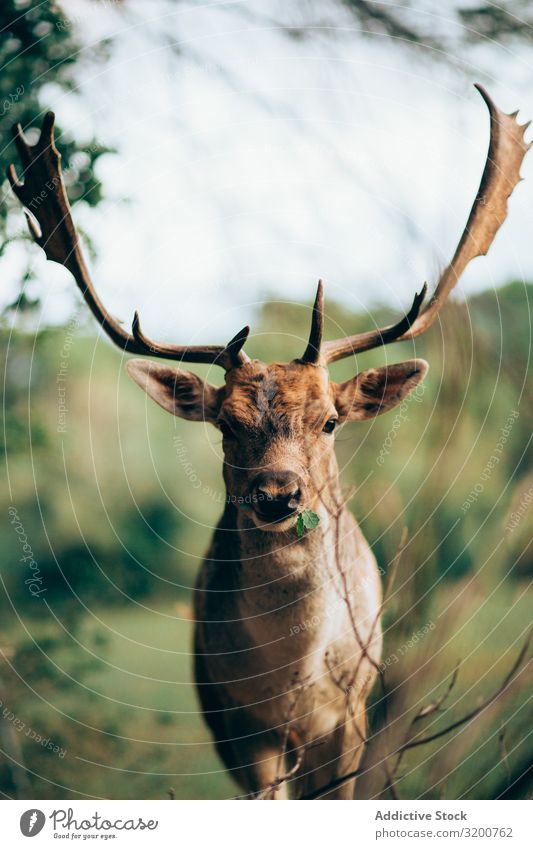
(254, 163)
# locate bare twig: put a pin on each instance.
(423, 713)
(479, 709)
(13, 752)
(333, 785)
(269, 791)
(504, 755)
(412, 743)
(434, 706)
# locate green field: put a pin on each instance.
(130, 724)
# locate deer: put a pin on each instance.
(287, 636)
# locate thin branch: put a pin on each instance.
(504, 754)
(434, 706)
(333, 785)
(338, 782)
(269, 791)
(476, 711)
(423, 713)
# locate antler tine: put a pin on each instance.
(233, 350)
(217, 354)
(336, 350)
(51, 226)
(312, 353)
(501, 174)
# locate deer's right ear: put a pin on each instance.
(179, 392)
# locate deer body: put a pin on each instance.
(287, 609)
(287, 636)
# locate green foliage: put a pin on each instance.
(92, 537)
(306, 521)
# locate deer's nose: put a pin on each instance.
(276, 495)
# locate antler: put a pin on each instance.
(501, 174)
(50, 223)
(313, 351)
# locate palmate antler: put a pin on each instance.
(44, 196)
(50, 223)
(507, 149)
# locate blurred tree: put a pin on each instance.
(39, 47)
(498, 23)
(507, 21)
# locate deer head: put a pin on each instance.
(277, 421)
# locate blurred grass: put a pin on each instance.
(118, 511)
(138, 695)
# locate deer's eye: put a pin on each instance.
(330, 426)
(225, 430)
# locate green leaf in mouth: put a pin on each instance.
(306, 521)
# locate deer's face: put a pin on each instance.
(277, 423)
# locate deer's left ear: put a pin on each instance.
(378, 390)
(179, 392)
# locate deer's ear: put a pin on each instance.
(179, 392)
(378, 390)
